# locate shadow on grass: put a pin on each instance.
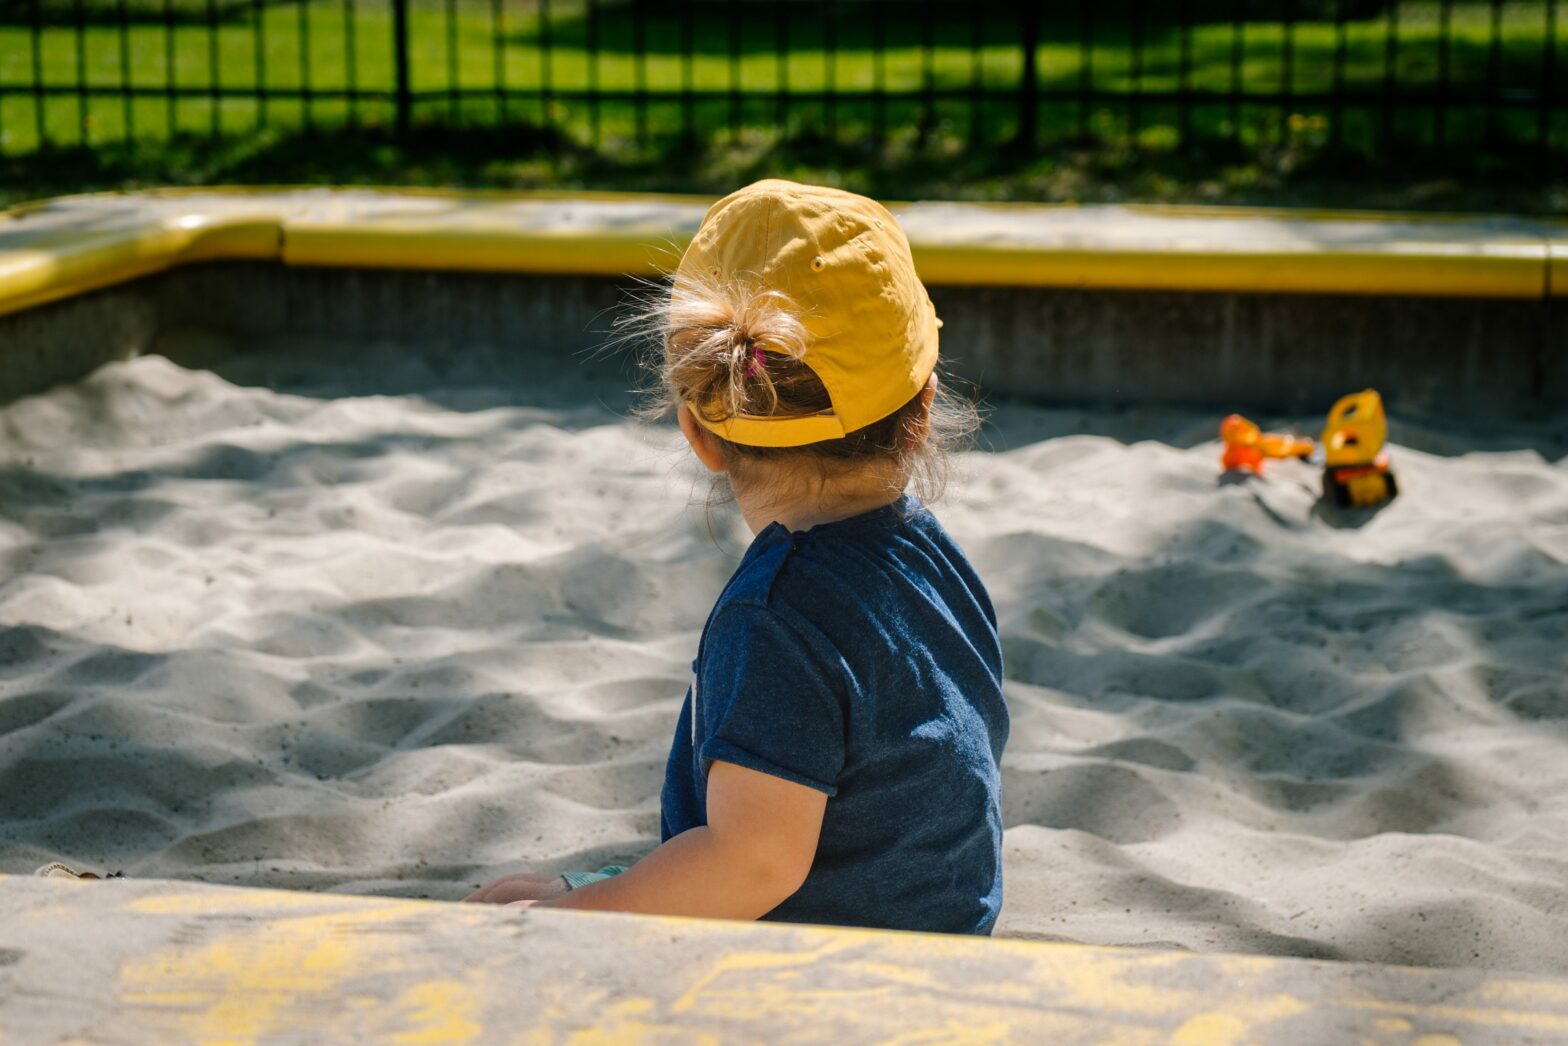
(1302, 171)
(723, 27)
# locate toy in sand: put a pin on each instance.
(1247, 446)
(1355, 468)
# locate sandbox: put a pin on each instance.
(332, 575)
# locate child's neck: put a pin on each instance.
(761, 506)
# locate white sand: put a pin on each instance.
(326, 638)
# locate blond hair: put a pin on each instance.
(707, 338)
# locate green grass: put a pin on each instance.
(1113, 149)
(286, 47)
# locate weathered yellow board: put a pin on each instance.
(164, 962)
(1557, 265)
(1517, 273)
(43, 263)
(54, 249)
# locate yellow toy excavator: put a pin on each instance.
(1355, 469)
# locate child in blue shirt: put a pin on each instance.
(836, 759)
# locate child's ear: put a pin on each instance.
(703, 443)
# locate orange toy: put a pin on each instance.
(1246, 446)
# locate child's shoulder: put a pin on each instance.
(755, 578)
(824, 569)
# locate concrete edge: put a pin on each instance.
(58, 248)
(169, 961)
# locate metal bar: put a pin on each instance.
(1337, 132)
(304, 65)
(688, 87)
(958, 93)
(879, 71)
(1494, 70)
(170, 116)
(215, 114)
(976, 73)
(498, 59)
(1390, 76)
(928, 71)
(41, 124)
(592, 43)
(733, 11)
(404, 90)
(1184, 73)
(1287, 72)
(1135, 73)
(546, 63)
(830, 66)
(1085, 64)
(81, 73)
(1028, 100)
(351, 60)
(1238, 46)
(1445, 17)
(158, 91)
(260, 61)
(127, 114)
(640, 48)
(452, 83)
(781, 64)
(1548, 76)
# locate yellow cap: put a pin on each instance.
(871, 328)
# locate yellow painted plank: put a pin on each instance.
(1557, 265)
(1229, 249)
(1131, 249)
(495, 249)
(1245, 272)
(60, 262)
(58, 248)
(180, 962)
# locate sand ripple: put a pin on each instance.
(286, 625)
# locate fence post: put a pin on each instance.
(404, 94)
(1029, 78)
(1548, 87)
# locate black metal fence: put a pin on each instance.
(1372, 76)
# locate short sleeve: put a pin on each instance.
(768, 699)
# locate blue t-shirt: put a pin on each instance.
(860, 658)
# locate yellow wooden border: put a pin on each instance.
(120, 237)
(1511, 275)
(413, 246)
(75, 261)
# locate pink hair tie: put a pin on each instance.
(757, 362)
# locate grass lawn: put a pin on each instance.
(644, 95)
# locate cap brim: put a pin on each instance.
(756, 431)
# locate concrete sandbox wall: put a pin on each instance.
(1260, 352)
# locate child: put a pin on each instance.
(836, 756)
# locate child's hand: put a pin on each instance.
(520, 887)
